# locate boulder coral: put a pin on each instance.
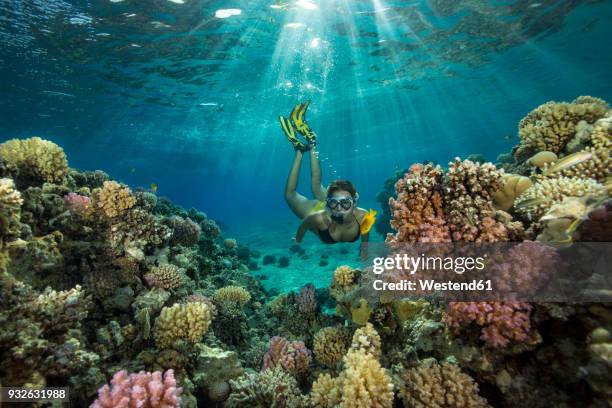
(188, 322)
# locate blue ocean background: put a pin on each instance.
(166, 92)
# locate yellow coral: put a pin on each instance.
(363, 383)
(188, 322)
(366, 338)
(37, 158)
(431, 385)
(513, 186)
(539, 198)
(232, 294)
(114, 199)
(361, 313)
(601, 136)
(552, 125)
(330, 344)
(344, 276)
(325, 392)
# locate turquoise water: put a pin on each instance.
(166, 92)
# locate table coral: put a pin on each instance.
(291, 356)
(36, 160)
(188, 322)
(143, 389)
(433, 385)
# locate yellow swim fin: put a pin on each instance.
(290, 134)
(298, 117)
(367, 222)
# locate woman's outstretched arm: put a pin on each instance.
(318, 190)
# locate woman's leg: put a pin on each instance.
(317, 188)
(299, 204)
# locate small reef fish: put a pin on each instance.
(569, 161)
(531, 202)
(367, 222)
(153, 187)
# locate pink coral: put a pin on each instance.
(501, 322)
(307, 300)
(434, 230)
(292, 356)
(77, 204)
(142, 390)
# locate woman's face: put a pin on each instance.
(340, 203)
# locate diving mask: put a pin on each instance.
(343, 202)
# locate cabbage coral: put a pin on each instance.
(188, 322)
(330, 344)
(552, 125)
(433, 385)
(363, 383)
(36, 159)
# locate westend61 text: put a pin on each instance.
(432, 285)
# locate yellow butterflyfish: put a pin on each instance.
(153, 187)
(367, 222)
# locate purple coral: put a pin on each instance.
(143, 389)
(291, 356)
(307, 300)
(77, 204)
(501, 322)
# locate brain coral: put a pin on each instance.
(188, 322)
(540, 197)
(433, 385)
(552, 125)
(113, 200)
(330, 345)
(36, 159)
(232, 294)
(363, 383)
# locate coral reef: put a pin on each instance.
(292, 356)
(187, 322)
(34, 161)
(269, 388)
(330, 345)
(166, 276)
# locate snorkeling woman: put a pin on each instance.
(333, 214)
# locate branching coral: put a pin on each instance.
(232, 294)
(418, 198)
(272, 388)
(143, 389)
(113, 200)
(307, 300)
(330, 345)
(165, 276)
(366, 338)
(291, 356)
(552, 125)
(136, 231)
(501, 322)
(10, 210)
(433, 385)
(539, 198)
(188, 322)
(35, 159)
(363, 383)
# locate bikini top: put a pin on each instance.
(326, 237)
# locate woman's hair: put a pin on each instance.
(341, 185)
